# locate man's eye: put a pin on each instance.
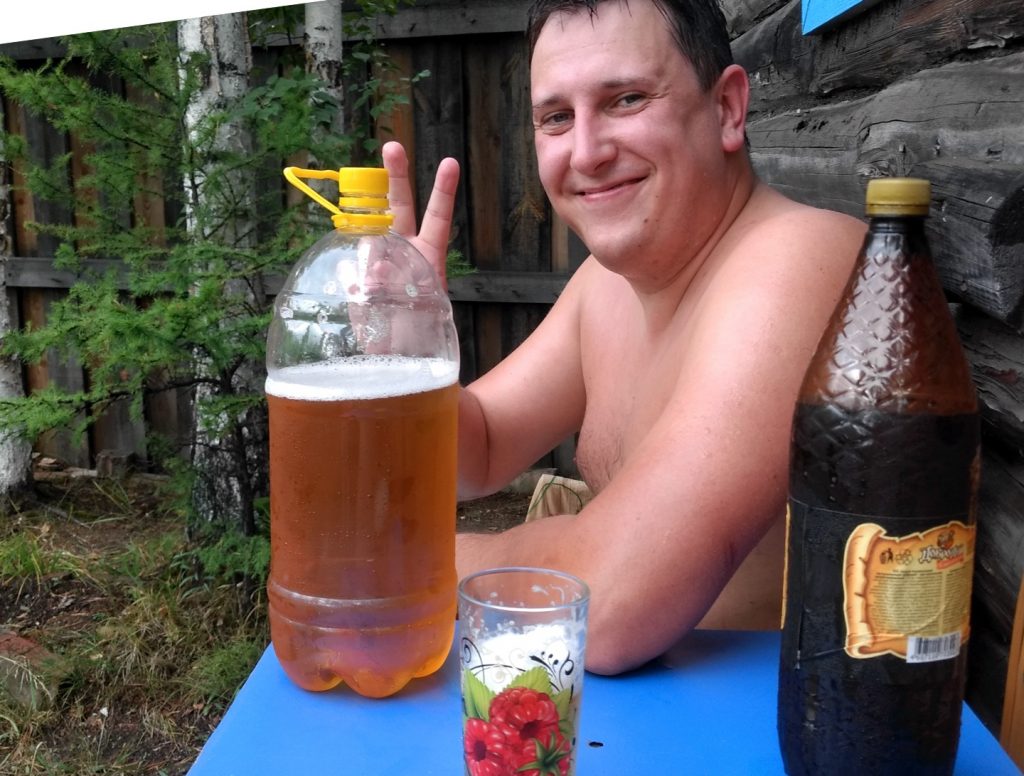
(555, 120)
(628, 100)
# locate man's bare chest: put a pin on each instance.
(627, 393)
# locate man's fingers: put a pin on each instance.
(400, 200)
(432, 238)
(437, 220)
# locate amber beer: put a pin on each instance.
(362, 488)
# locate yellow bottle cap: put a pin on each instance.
(363, 182)
(898, 197)
(363, 200)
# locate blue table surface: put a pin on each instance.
(706, 706)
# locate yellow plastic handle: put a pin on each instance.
(294, 175)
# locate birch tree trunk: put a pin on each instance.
(323, 38)
(15, 450)
(323, 43)
(229, 454)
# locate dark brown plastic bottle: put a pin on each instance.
(883, 487)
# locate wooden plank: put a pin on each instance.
(971, 113)
(777, 58)
(999, 563)
(901, 37)
(508, 287)
(40, 49)
(38, 272)
(440, 18)
(893, 40)
(400, 124)
(21, 198)
(998, 572)
(114, 429)
(742, 15)
(1011, 734)
(85, 198)
(996, 354)
(465, 326)
(987, 661)
(526, 229)
(45, 144)
(977, 231)
(148, 210)
(427, 19)
(63, 371)
(483, 164)
(497, 286)
(169, 420)
(440, 132)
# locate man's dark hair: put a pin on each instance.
(698, 27)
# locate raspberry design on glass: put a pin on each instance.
(486, 749)
(526, 728)
(523, 714)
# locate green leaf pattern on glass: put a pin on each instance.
(477, 697)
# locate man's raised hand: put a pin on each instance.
(432, 238)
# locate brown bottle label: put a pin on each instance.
(910, 595)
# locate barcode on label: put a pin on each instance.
(925, 650)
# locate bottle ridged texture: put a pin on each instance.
(895, 349)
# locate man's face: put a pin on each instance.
(628, 145)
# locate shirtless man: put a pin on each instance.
(676, 350)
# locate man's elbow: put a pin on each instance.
(613, 650)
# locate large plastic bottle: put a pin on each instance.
(883, 490)
(362, 387)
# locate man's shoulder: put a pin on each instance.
(770, 213)
(777, 236)
(784, 260)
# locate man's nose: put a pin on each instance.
(592, 144)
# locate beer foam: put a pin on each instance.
(362, 377)
(514, 650)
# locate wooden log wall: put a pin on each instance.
(929, 88)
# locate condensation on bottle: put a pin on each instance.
(362, 389)
(884, 475)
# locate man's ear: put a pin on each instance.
(732, 94)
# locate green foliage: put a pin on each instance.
(230, 558)
(177, 300)
(373, 83)
(219, 673)
(26, 555)
(457, 266)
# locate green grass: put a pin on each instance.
(156, 635)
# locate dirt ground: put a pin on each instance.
(79, 515)
(492, 513)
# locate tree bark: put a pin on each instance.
(324, 50)
(229, 456)
(323, 42)
(15, 449)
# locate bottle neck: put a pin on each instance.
(366, 220)
(897, 223)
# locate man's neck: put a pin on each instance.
(660, 297)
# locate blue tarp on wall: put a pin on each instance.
(819, 15)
